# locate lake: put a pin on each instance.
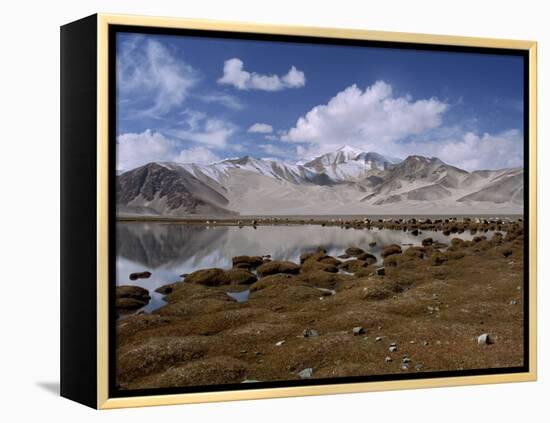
(169, 250)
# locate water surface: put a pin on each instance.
(169, 250)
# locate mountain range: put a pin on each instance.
(345, 181)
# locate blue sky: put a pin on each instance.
(193, 99)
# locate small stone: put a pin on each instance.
(378, 338)
(406, 360)
(419, 366)
(425, 343)
(393, 348)
(388, 359)
(404, 367)
(306, 373)
(358, 330)
(412, 342)
(513, 302)
(484, 339)
(310, 333)
(280, 343)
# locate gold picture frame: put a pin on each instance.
(102, 199)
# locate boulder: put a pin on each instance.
(140, 275)
(427, 242)
(130, 297)
(437, 259)
(240, 277)
(358, 330)
(354, 251)
(311, 265)
(369, 258)
(275, 267)
(484, 339)
(390, 250)
(352, 266)
(208, 277)
(250, 261)
(273, 280)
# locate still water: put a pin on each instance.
(169, 250)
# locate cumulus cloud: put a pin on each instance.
(197, 155)
(274, 150)
(200, 128)
(235, 75)
(473, 151)
(366, 117)
(150, 78)
(226, 100)
(137, 149)
(261, 128)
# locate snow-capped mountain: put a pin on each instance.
(346, 181)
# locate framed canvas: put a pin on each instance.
(256, 211)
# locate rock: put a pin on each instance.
(140, 275)
(165, 289)
(378, 338)
(358, 330)
(310, 333)
(367, 257)
(217, 277)
(352, 266)
(426, 242)
(513, 302)
(208, 277)
(306, 373)
(406, 360)
(372, 244)
(240, 277)
(312, 265)
(330, 260)
(506, 252)
(484, 339)
(388, 359)
(381, 271)
(251, 261)
(279, 278)
(393, 348)
(390, 250)
(280, 343)
(354, 251)
(129, 297)
(437, 259)
(344, 256)
(274, 267)
(414, 232)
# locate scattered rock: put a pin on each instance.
(378, 338)
(484, 339)
(251, 261)
(406, 360)
(306, 373)
(388, 359)
(427, 242)
(310, 333)
(352, 266)
(274, 267)
(390, 250)
(513, 302)
(367, 257)
(129, 297)
(208, 277)
(280, 343)
(240, 276)
(393, 348)
(358, 330)
(354, 251)
(140, 275)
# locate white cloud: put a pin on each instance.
(271, 137)
(473, 151)
(197, 155)
(274, 150)
(137, 149)
(235, 75)
(261, 128)
(150, 78)
(365, 119)
(226, 100)
(199, 128)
